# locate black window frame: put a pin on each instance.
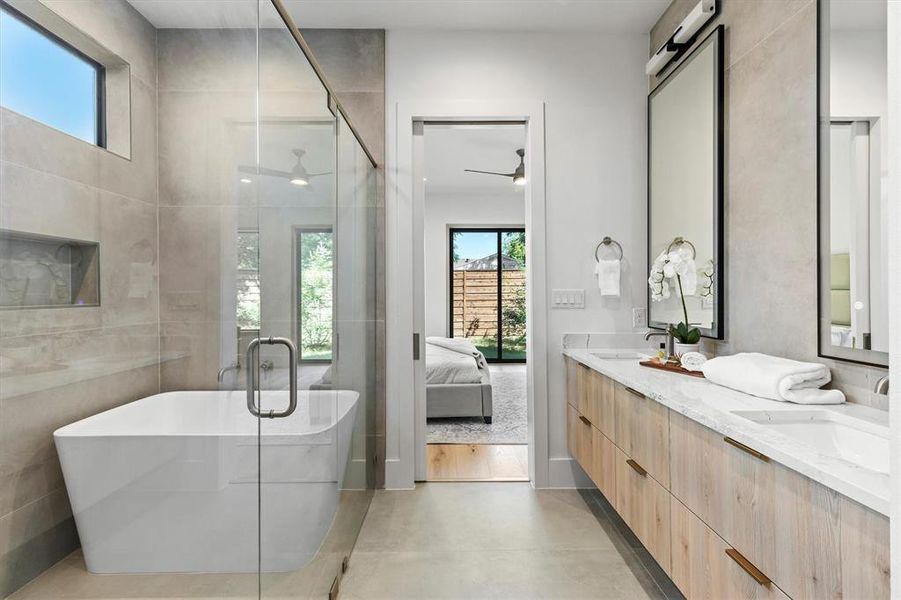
(99, 70)
(500, 231)
(299, 231)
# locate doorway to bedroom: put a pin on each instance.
(474, 274)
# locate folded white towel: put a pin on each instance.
(608, 276)
(773, 377)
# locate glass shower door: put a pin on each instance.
(313, 363)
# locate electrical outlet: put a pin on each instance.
(639, 317)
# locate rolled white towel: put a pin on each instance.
(773, 377)
(692, 361)
(608, 272)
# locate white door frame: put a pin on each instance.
(405, 429)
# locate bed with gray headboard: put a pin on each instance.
(458, 382)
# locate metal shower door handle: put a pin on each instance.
(292, 377)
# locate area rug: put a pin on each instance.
(510, 423)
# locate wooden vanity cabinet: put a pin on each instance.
(705, 566)
(572, 381)
(799, 533)
(603, 404)
(642, 431)
(724, 520)
(603, 464)
(644, 505)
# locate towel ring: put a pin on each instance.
(607, 241)
(678, 241)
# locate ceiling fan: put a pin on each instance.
(298, 175)
(518, 174)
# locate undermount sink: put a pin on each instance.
(856, 441)
(628, 354)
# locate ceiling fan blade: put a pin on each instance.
(490, 172)
(264, 171)
(318, 174)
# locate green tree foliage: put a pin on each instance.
(514, 246)
(315, 258)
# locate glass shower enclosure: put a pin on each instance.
(256, 292)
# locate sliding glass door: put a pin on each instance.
(487, 283)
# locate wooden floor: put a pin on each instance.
(477, 462)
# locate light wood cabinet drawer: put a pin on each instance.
(572, 431)
(603, 405)
(642, 431)
(865, 552)
(791, 527)
(603, 464)
(585, 400)
(572, 381)
(579, 439)
(705, 567)
(645, 507)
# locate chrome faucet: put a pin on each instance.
(669, 341)
(882, 385)
(235, 366)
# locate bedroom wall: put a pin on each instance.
(443, 212)
(594, 91)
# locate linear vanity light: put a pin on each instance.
(682, 36)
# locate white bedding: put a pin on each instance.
(452, 360)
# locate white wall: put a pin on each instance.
(594, 90)
(894, 258)
(443, 212)
(858, 90)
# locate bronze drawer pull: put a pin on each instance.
(637, 467)
(584, 420)
(748, 567)
(748, 449)
(633, 391)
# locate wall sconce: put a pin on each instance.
(682, 37)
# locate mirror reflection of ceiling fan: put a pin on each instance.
(298, 175)
(518, 174)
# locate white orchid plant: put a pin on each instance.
(677, 265)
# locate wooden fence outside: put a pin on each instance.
(475, 302)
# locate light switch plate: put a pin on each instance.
(567, 298)
(639, 317)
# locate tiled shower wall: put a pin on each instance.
(63, 364)
(60, 365)
(771, 181)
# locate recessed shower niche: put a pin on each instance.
(38, 271)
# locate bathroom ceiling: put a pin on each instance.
(635, 16)
(450, 149)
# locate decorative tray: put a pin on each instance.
(670, 368)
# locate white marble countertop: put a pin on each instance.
(711, 405)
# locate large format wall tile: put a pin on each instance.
(771, 181)
(61, 365)
(771, 212)
(117, 26)
(128, 275)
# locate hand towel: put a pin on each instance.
(608, 276)
(773, 377)
(690, 278)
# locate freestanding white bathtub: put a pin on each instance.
(176, 482)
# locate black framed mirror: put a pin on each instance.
(685, 192)
(853, 169)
